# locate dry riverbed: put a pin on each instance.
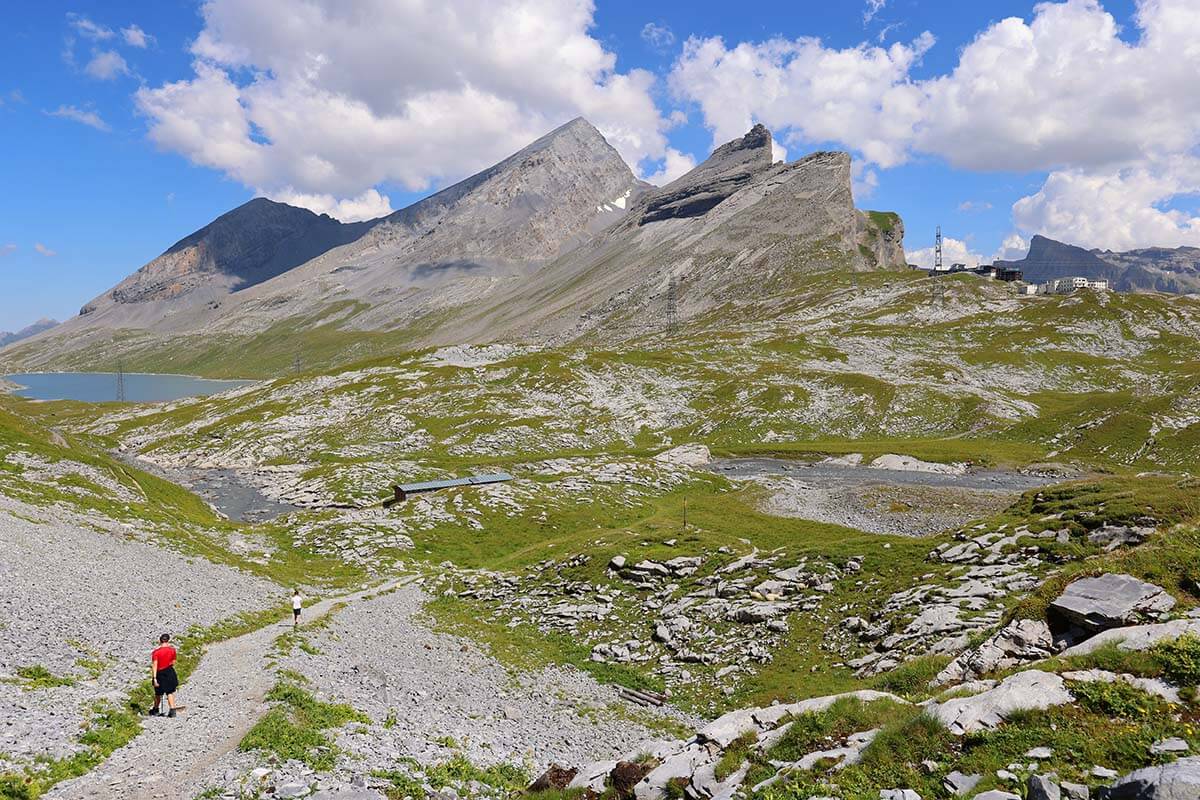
(893, 495)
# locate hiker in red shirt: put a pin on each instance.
(162, 673)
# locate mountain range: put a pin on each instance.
(557, 241)
(1152, 269)
(44, 324)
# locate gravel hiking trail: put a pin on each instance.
(224, 697)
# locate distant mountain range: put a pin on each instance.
(1152, 269)
(29, 330)
(557, 241)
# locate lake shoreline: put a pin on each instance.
(102, 387)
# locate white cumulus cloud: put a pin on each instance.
(1117, 210)
(80, 115)
(1113, 118)
(43, 250)
(319, 97)
(134, 36)
(88, 29)
(675, 165)
(1013, 248)
(806, 92)
(368, 205)
(954, 251)
(106, 65)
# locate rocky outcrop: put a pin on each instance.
(657, 769)
(725, 729)
(1021, 692)
(1137, 637)
(1152, 686)
(1110, 601)
(730, 167)
(881, 235)
(1179, 780)
(686, 455)
(1020, 641)
(1042, 787)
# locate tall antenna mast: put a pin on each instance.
(120, 382)
(937, 250)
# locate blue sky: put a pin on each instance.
(129, 125)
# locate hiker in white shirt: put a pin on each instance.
(297, 607)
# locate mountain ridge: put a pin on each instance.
(34, 328)
(545, 243)
(1161, 269)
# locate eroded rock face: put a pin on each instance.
(1020, 641)
(1110, 601)
(730, 167)
(248, 245)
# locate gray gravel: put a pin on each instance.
(221, 701)
(889, 501)
(68, 592)
(380, 657)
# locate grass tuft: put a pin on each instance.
(295, 728)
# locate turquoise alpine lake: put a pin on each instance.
(102, 387)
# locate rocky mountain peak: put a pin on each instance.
(529, 206)
(730, 167)
(250, 244)
(43, 324)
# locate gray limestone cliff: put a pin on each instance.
(730, 167)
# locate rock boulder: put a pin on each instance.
(1179, 780)
(1020, 641)
(1110, 601)
(1023, 691)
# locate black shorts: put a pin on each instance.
(295, 612)
(168, 681)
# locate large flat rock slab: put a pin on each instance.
(1137, 637)
(1021, 692)
(1111, 601)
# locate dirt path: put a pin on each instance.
(224, 698)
